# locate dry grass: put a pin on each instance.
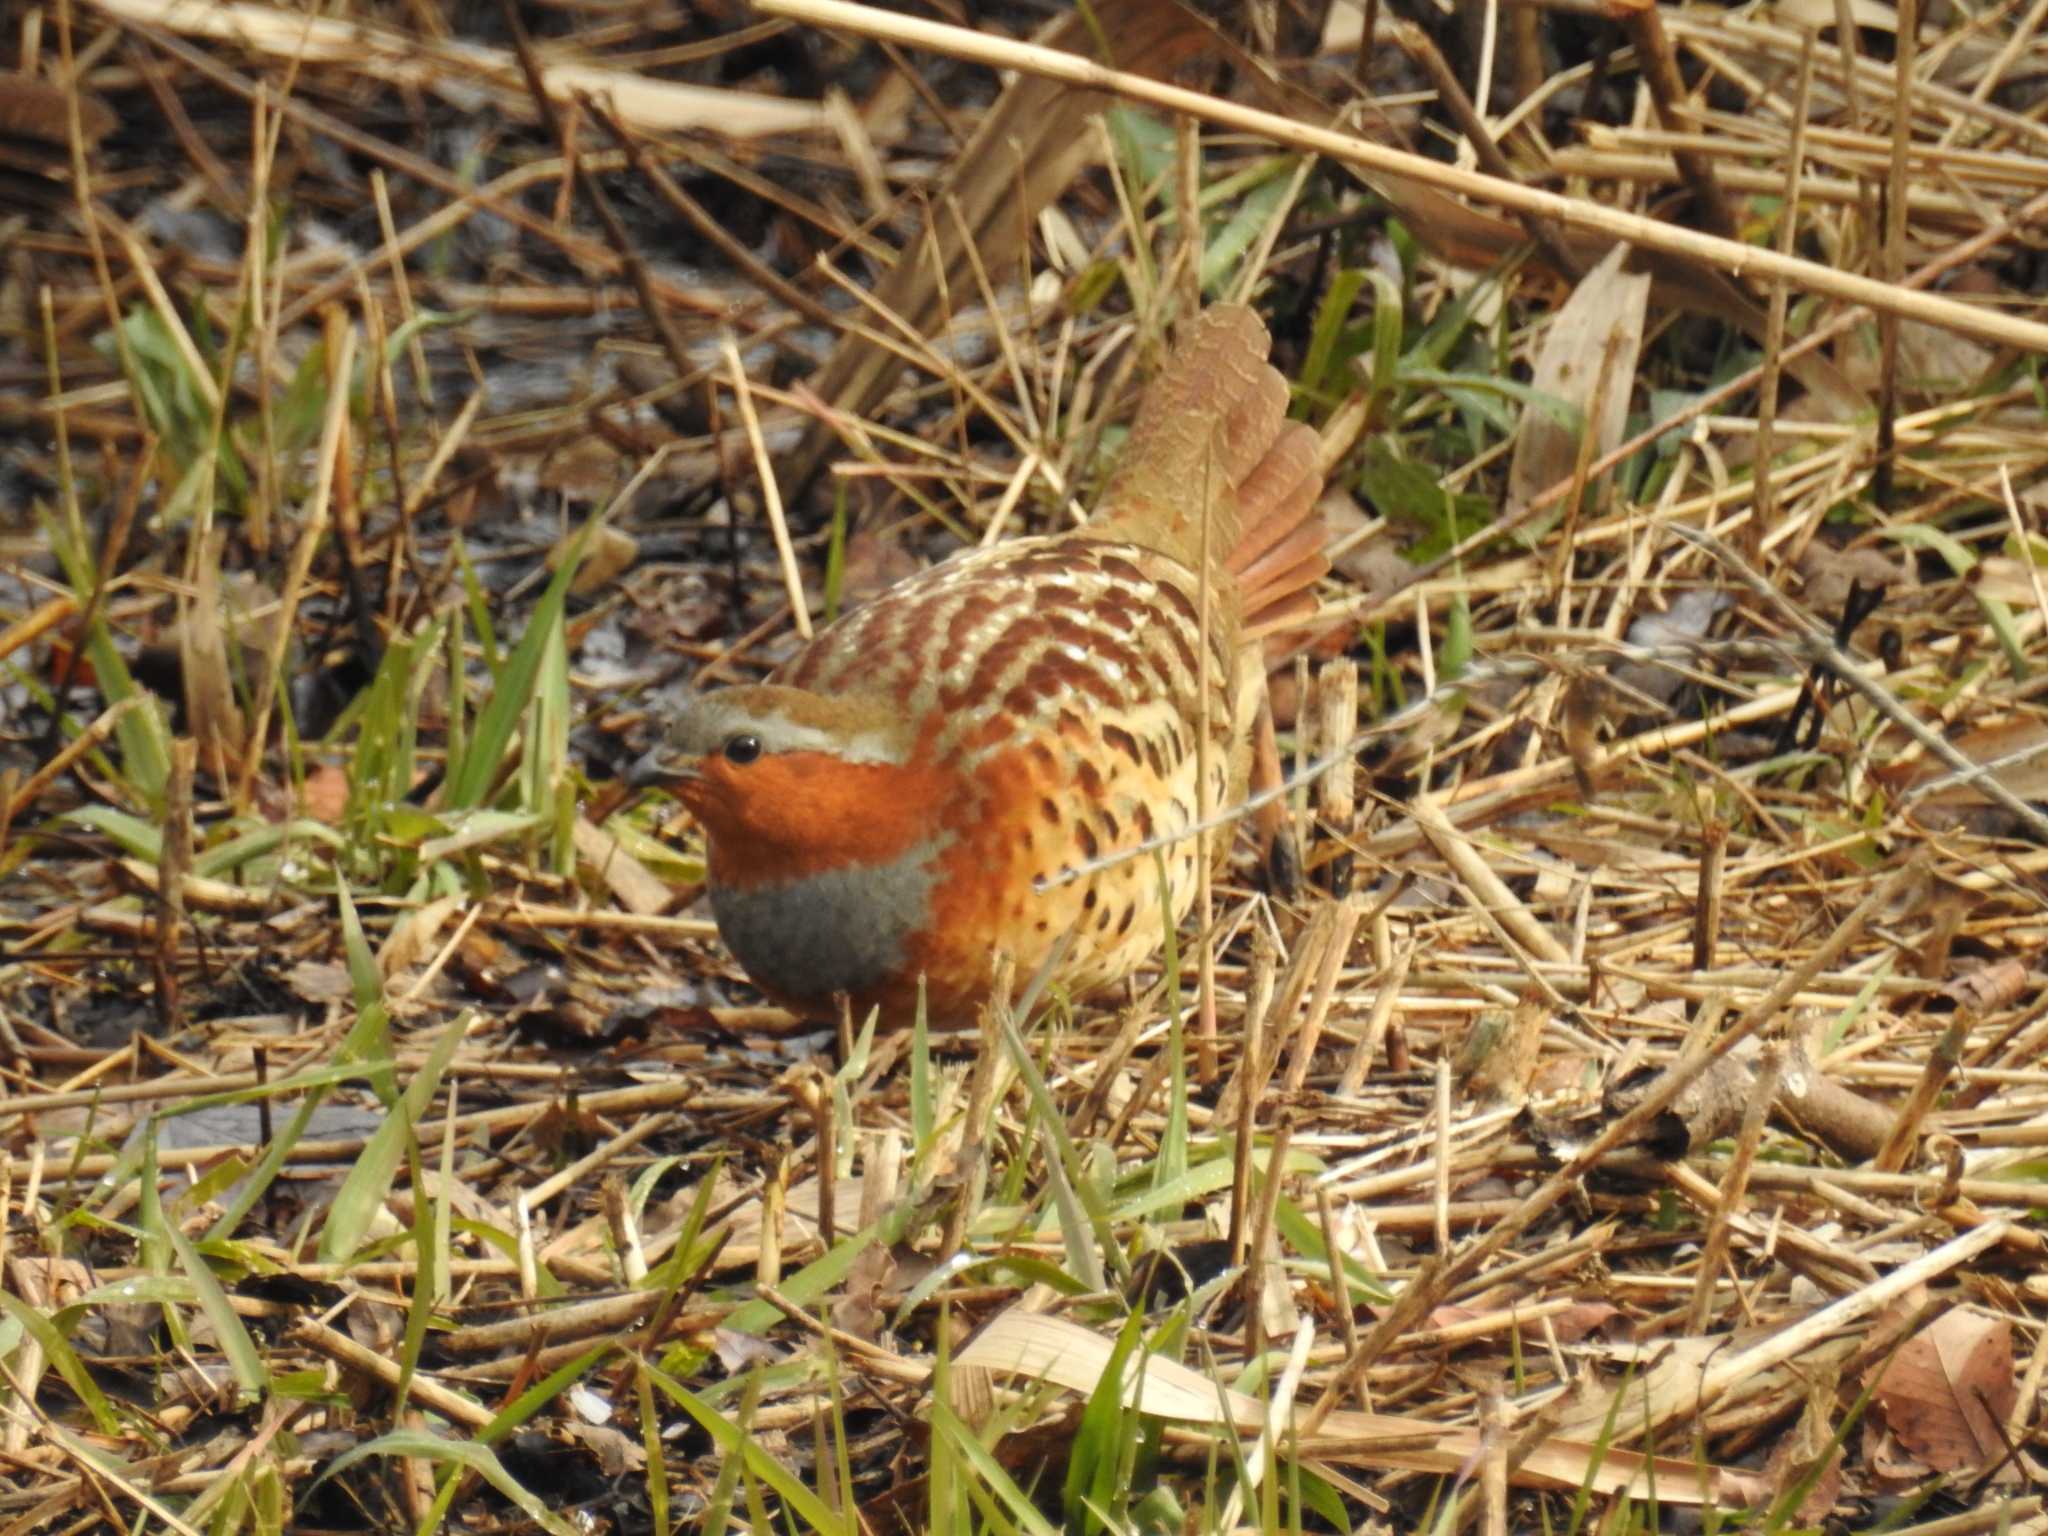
(393, 408)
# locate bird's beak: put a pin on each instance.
(656, 768)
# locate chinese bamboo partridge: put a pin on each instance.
(904, 796)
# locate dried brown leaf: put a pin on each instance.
(1587, 361)
(1947, 1391)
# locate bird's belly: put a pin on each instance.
(848, 930)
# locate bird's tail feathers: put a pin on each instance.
(1212, 440)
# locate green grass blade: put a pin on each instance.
(968, 1447)
(807, 1284)
(470, 779)
(453, 1456)
(57, 1349)
(363, 1190)
(800, 1502)
(233, 1340)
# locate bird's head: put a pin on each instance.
(786, 782)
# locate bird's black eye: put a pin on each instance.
(743, 748)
